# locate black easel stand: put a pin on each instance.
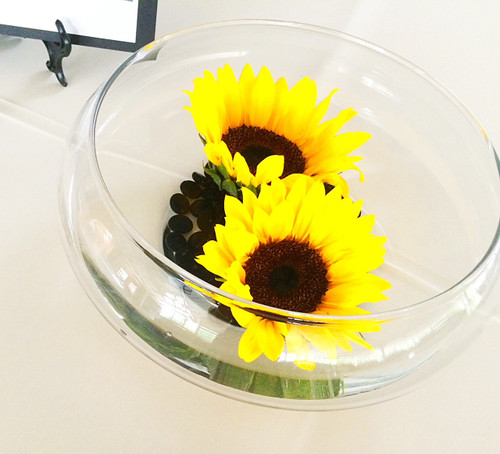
(57, 51)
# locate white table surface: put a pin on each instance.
(70, 384)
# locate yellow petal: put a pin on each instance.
(320, 111)
(350, 141)
(207, 108)
(248, 347)
(299, 347)
(242, 172)
(242, 316)
(262, 99)
(304, 364)
(331, 127)
(214, 153)
(238, 243)
(332, 178)
(271, 195)
(321, 338)
(269, 339)
(235, 211)
(215, 97)
(237, 272)
(249, 200)
(237, 288)
(357, 291)
(281, 103)
(229, 88)
(296, 186)
(261, 225)
(247, 81)
(358, 340)
(294, 125)
(281, 220)
(269, 169)
(312, 204)
(215, 259)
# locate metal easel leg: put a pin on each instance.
(57, 51)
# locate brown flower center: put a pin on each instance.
(255, 144)
(288, 275)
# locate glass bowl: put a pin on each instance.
(432, 179)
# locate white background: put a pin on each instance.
(70, 384)
(105, 19)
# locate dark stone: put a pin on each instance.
(200, 179)
(185, 259)
(212, 194)
(180, 224)
(175, 241)
(197, 240)
(179, 203)
(206, 219)
(190, 189)
(199, 205)
(168, 252)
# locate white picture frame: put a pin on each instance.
(114, 24)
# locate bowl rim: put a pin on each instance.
(150, 51)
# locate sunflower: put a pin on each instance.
(260, 130)
(302, 252)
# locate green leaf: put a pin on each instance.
(203, 140)
(223, 171)
(210, 166)
(253, 189)
(214, 175)
(230, 187)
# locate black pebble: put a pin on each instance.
(190, 189)
(206, 219)
(169, 254)
(212, 194)
(199, 205)
(180, 224)
(179, 203)
(219, 213)
(197, 240)
(199, 178)
(175, 241)
(207, 205)
(185, 259)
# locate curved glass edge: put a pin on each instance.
(230, 381)
(154, 48)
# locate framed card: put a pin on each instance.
(113, 24)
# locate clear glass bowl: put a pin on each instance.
(432, 179)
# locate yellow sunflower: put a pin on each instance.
(261, 130)
(296, 248)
